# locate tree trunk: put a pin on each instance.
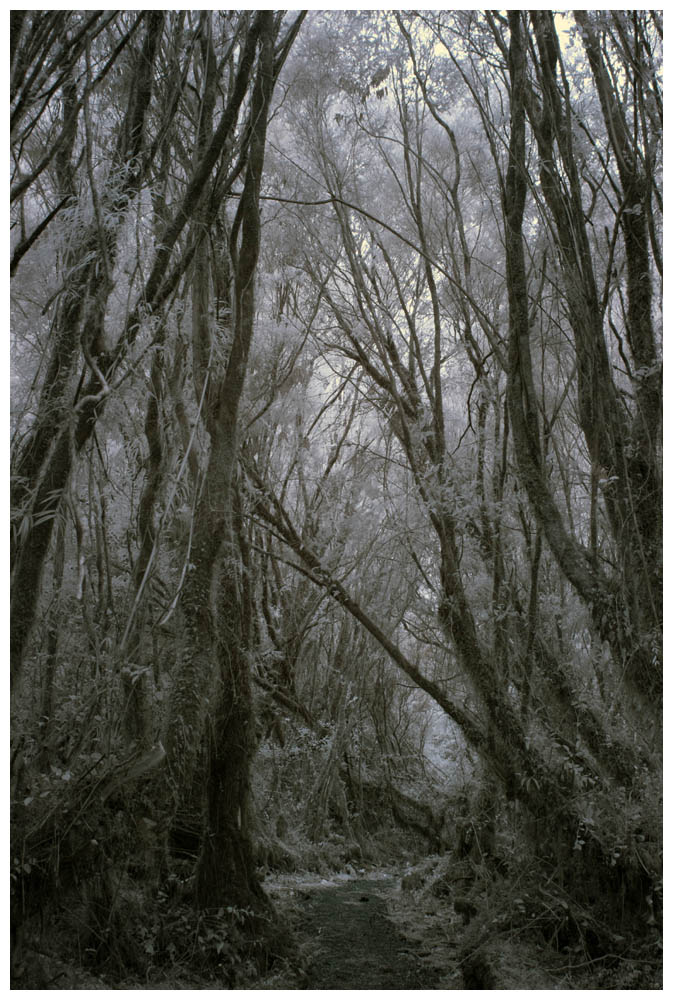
(226, 871)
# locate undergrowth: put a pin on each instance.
(519, 929)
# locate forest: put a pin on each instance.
(336, 498)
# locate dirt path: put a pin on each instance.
(351, 942)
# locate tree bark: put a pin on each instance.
(226, 870)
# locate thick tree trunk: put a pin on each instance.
(211, 698)
(226, 871)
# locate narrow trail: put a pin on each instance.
(352, 943)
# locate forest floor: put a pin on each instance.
(404, 927)
(420, 927)
(347, 936)
(381, 929)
